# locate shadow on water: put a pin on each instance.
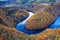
(56, 24)
(20, 26)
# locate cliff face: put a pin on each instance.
(11, 16)
(44, 18)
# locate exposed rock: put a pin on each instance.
(11, 16)
(43, 19)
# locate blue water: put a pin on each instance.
(56, 24)
(20, 26)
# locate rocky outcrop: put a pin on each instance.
(43, 19)
(11, 16)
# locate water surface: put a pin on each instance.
(20, 26)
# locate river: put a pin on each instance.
(20, 26)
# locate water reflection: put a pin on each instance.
(20, 26)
